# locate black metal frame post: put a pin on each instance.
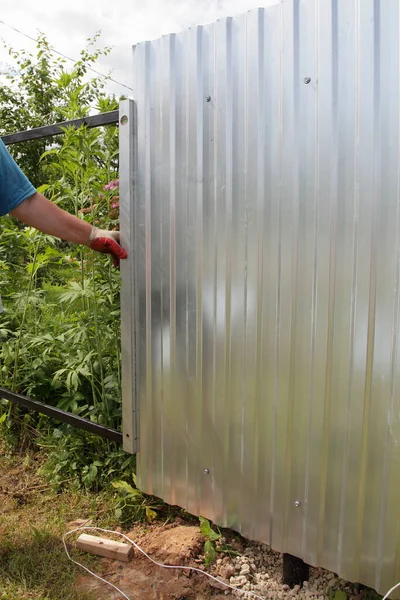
(108, 118)
(295, 570)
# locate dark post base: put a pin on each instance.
(295, 570)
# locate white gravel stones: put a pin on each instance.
(259, 569)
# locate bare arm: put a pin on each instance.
(38, 212)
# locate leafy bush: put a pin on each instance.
(60, 331)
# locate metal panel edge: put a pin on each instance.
(127, 143)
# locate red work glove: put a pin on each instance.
(107, 242)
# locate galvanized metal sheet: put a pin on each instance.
(266, 297)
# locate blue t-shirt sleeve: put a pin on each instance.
(15, 187)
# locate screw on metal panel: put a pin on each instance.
(307, 80)
(297, 503)
(123, 120)
(206, 471)
(208, 98)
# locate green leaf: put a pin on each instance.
(125, 487)
(207, 531)
(214, 536)
(3, 418)
(209, 553)
(340, 595)
(150, 514)
(118, 513)
(205, 527)
(43, 188)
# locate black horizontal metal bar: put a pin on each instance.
(62, 415)
(108, 118)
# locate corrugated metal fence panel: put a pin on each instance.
(267, 211)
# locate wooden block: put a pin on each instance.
(104, 547)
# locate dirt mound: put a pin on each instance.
(173, 545)
(141, 579)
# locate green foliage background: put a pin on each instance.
(60, 332)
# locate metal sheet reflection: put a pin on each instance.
(267, 278)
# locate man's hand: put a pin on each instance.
(107, 242)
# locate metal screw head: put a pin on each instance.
(297, 503)
(206, 471)
(307, 80)
(208, 98)
(123, 120)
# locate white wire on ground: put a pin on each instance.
(135, 545)
(227, 585)
(391, 590)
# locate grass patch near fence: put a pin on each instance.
(33, 518)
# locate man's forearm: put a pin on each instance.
(42, 214)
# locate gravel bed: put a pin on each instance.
(259, 569)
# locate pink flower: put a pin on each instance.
(115, 205)
(112, 185)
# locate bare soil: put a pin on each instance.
(173, 544)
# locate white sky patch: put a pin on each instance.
(68, 23)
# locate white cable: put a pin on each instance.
(391, 590)
(227, 585)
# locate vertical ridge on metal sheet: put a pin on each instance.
(348, 88)
(387, 300)
(148, 150)
(190, 70)
(275, 317)
(215, 446)
(367, 257)
(305, 76)
(308, 77)
(289, 233)
(233, 250)
(331, 261)
(199, 265)
(247, 199)
(293, 198)
(364, 541)
(206, 290)
(170, 402)
(225, 73)
(258, 139)
(321, 46)
(159, 288)
(220, 461)
(387, 269)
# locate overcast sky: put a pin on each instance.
(67, 24)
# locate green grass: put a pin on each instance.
(38, 568)
(33, 519)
